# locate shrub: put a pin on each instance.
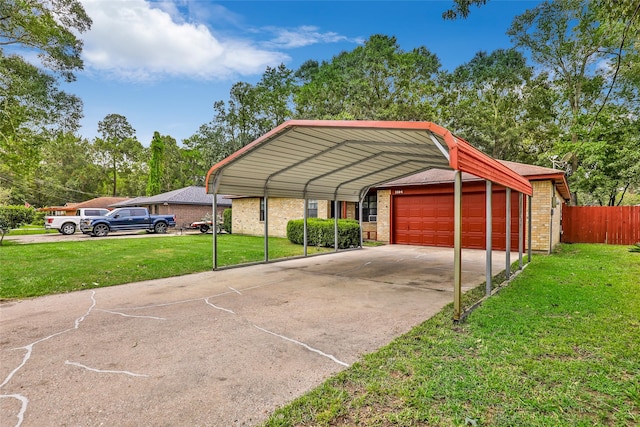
(14, 217)
(38, 218)
(320, 232)
(226, 220)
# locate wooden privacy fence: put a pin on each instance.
(614, 225)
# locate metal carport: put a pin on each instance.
(342, 160)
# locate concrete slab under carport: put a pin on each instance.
(216, 348)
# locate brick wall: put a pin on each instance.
(185, 214)
(384, 216)
(545, 217)
(246, 215)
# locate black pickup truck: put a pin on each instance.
(125, 219)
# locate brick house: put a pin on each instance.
(188, 204)
(419, 210)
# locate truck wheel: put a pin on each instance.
(68, 228)
(160, 228)
(204, 228)
(100, 230)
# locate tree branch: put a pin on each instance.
(618, 64)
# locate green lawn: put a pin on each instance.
(31, 270)
(560, 346)
(29, 230)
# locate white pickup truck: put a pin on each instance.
(68, 224)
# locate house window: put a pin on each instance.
(261, 208)
(312, 208)
(370, 208)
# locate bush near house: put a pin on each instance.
(320, 232)
(227, 220)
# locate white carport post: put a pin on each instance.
(335, 223)
(507, 268)
(266, 226)
(360, 216)
(489, 234)
(304, 226)
(214, 217)
(529, 229)
(520, 229)
(457, 247)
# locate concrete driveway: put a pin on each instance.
(216, 348)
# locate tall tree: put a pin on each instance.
(275, 95)
(65, 174)
(48, 27)
(156, 165)
(493, 101)
(565, 38)
(33, 109)
(118, 149)
(375, 81)
(177, 173)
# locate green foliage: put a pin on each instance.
(635, 248)
(48, 27)
(119, 151)
(13, 216)
(34, 109)
(375, 81)
(494, 92)
(154, 183)
(461, 8)
(321, 232)
(227, 220)
(575, 112)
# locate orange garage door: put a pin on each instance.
(427, 220)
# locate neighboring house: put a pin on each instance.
(419, 210)
(188, 204)
(70, 208)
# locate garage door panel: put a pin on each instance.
(427, 219)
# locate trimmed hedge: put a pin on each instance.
(320, 232)
(226, 220)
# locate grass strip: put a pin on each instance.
(560, 346)
(31, 270)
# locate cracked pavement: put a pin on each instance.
(216, 348)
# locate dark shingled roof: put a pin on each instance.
(192, 195)
(442, 176)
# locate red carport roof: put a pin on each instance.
(341, 160)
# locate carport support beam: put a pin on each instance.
(214, 220)
(529, 222)
(266, 227)
(507, 267)
(457, 247)
(489, 235)
(520, 229)
(360, 216)
(304, 226)
(336, 213)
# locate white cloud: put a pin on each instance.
(301, 36)
(131, 39)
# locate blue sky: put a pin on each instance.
(162, 64)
